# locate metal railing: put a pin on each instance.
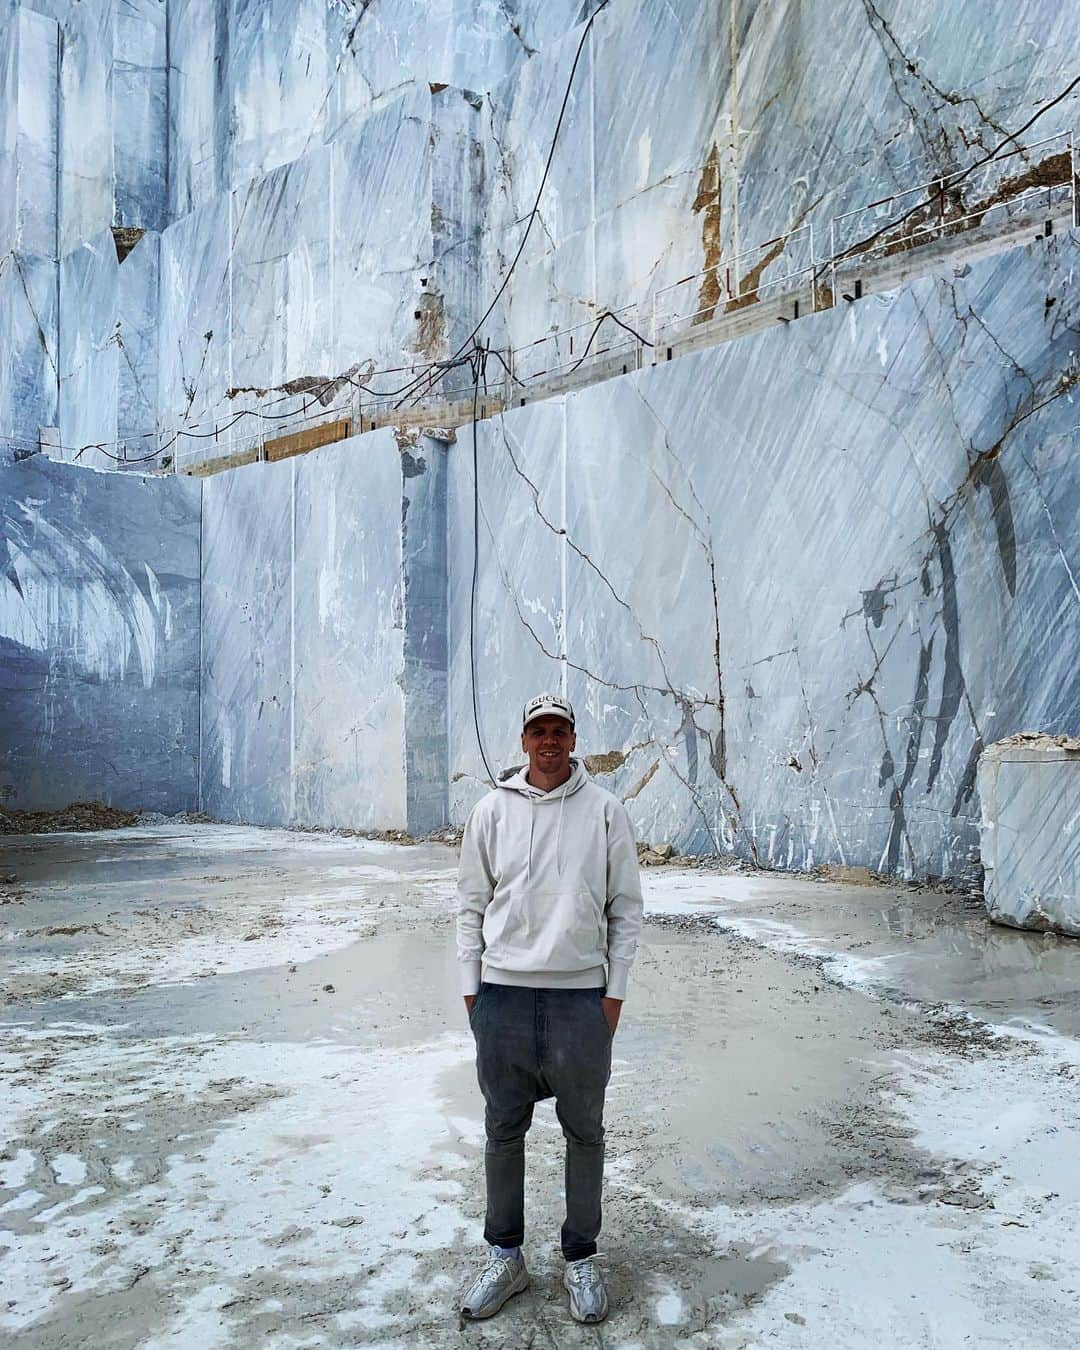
(1036, 190)
(737, 282)
(567, 350)
(243, 434)
(1025, 185)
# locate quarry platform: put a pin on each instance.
(240, 1108)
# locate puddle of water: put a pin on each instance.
(728, 1067)
(693, 1290)
(732, 1064)
(209, 854)
(917, 945)
(393, 989)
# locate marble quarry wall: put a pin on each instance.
(794, 584)
(99, 638)
(699, 134)
(326, 189)
(255, 84)
(323, 638)
(321, 267)
(230, 200)
(28, 223)
(83, 153)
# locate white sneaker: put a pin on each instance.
(588, 1297)
(500, 1279)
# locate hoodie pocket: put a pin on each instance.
(546, 930)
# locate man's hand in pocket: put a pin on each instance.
(612, 1008)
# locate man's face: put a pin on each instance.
(549, 742)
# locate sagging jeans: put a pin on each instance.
(532, 1044)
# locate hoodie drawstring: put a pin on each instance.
(558, 835)
(532, 822)
(516, 781)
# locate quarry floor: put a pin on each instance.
(238, 1108)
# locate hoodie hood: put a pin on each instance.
(515, 779)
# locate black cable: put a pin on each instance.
(592, 338)
(502, 362)
(118, 459)
(464, 357)
(863, 244)
(458, 359)
(540, 191)
(475, 575)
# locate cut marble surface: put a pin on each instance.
(294, 74)
(89, 350)
(666, 164)
(193, 320)
(198, 115)
(726, 128)
(99, 637)
(1030, 794)
(9, 120)
(453, 294)
(87, 176)
(93, 117)
(423, 601)
(305, 713)
(140, 114)
(137, 336)
(299, 276)
(29, 299)
(37, 56)
(808, 575)
(519, 589)
(348, 632)
(247, 678)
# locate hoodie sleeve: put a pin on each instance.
(624, 902)
(476, 885)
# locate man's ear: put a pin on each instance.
(523, 745)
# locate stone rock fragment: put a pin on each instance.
(1029, 788)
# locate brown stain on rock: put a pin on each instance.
(430, 325)
(946, 209)
(749, 284)
(1054, 171)
(707, 204)
(642, 782)
(607, 762)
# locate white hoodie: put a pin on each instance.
(548, 887)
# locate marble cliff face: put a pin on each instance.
(799, 581)
(794, 583)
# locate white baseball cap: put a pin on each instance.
(547, 705)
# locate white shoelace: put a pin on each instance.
(584, 1273)
(498, 1265)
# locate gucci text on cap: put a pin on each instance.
(547, 705)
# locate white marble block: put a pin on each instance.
(1029, 786)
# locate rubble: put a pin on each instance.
(656, 855)
(76, 816)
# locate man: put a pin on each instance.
(548, 893)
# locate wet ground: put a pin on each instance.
(239, 1108)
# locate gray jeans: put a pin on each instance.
(532, 1044)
